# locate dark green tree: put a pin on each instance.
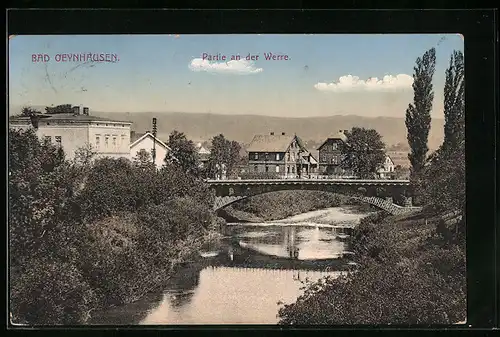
(224, 156)
(444, 176)
(363, 152)
(454, 102)
(418, 114)
(182, 153)
(143, 160)
(33, 114)
(85, 155)
(28, 112)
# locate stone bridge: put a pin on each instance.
(380, 193)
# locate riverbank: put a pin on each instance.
(408, 273)
(147, 273)
(248, 268)
(284, 204)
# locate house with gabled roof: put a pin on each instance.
(330, 154)
(387, 169)
(146, 143)
(283, 155)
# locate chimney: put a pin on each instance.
(86, 111)
(272, 133)
(282, 133)
(76, 110)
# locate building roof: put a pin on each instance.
(202, 150)
(146, 135)
(66, 117)
(339, 135)
(272, 143)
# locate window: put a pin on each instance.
(334, 146)
(58, 140)
(267, 169)
(277, 156)
(292, 156)
(114, 141)
(256, 156)
(288, 169)
(97, 141)
(122, 139)
(106, 141)
(267, 157)
(256, 168)
(48, 138)
(293, 169)
(288, 156)
(277, 168)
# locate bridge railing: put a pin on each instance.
(299, 180)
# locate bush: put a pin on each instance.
(443, 181)
(115, 266)
(48, 292)
(37, 191)
(112, 186)
(117, 185)
(178, 218)
(385, 293)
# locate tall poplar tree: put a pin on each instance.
(418, 114)
(454, 103)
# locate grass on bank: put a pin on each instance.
(283, 204)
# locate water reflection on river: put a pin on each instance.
(244, 276)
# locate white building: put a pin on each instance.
(146, 143)
(387, 168)
(72, 128)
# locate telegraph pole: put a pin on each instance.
(153, 152)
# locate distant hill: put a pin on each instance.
(203, 126)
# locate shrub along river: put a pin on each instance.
(244, 277)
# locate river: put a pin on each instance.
(244, 278)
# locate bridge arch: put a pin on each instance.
(386, 205)
(374, 192)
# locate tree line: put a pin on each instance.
(223, 160)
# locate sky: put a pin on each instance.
(321, 75)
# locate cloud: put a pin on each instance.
(353, 83)
(241, 67)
